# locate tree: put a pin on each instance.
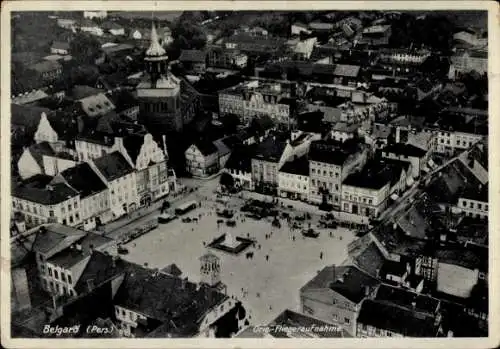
(84, 48)
(227, 180)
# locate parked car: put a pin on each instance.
(165, 218)
(231, 223)
(186, 220)
(310, 233)
(122, 250)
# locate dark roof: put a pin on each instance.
(113, 166)
(392, 268)
(38, 189)
(83, 91)
(476, 193)
(370, 260)
(347, 281)
(27, 117)
(172, 269)
(292, 319)
(396, 319)
(376, 174)
(38, 150)
(271, 149)
(407, 299)
(71, 256)
(405, 149)
(99, 269)
(346, 70)
(331, 152)
(298, 166)
(45, 66)
(60, 45)
(177, 303)
(241, 159)
(83, 179)
(122, 99)
(53, 238)
(471, 256)
(193, 56)
(133, 144)
(206, 147)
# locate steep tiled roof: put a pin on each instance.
(271, 149)
(205, 147)
(348, 281)
(27, 117)
(178, 304)
(396, 319)
(408, 299)
(71, 256)
(38, 150)
(55, 237)
(60, 45)
(45, 66)
(299, 166)
(405, 149)
(198, 56)
(370, 260)
(38, 189)
(241, 159)
(100, 268)
(113, 166)
(346, 70)
(83, 179)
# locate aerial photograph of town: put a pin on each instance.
(249, 174)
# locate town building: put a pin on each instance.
(48, 71)
(297, 28)
(329, 165)
(382, 319)
(62, 253)
(252, 99)
(205, 158)
(367, 192)
(220, 57)
(88, 26)
(239, 166)
(94, 208)
(377, 35)
(42, 158)
(113, 28)
(95, 14)
(41, 201)
(468, 61)
(473, 202)
(254, 45)
(267, 159)
(194, 61)
(164, 101)
(59, 48)
(121, 180)
(293, 179)
(336, 294)
(454, 270)
(409, 153)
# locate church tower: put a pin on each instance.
(159, 93)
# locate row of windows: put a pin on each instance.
(375, 331)
(478, 205)
(54, 273)
(324, 184)
(55, 287)
(325, 173)
(36, 209)
(355, 198)
(292, 185)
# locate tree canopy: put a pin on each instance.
(84, 48)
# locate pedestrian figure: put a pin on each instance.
(321, 255)
(267, 257)
(293, 238)
(330, 234)
(340, 237)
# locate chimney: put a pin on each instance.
(90, 284)
(413, 304)
(78, 247)
(367, 290)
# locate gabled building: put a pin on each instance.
(417, 157)
(194, 61)
(267, 159)
(94, 196)
(293, 179)
(44, 158)
(120, 178)
(336, 295)
(239, 166)
(48, 71)
(59, 48)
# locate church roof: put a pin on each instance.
(155, 49)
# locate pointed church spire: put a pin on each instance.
(155, 49)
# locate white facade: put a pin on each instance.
(45, 132)
(59, 51)
(466, 63)
(27, 165)
(52, 165)
(117, 31)
(472, 208)
(241, 177)
(95, 14)
(59, 280)
(128, 320)
(456, 280)
(364, 201)
(92, 29)
(297, 185)
(449, 141)
(66, 212)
